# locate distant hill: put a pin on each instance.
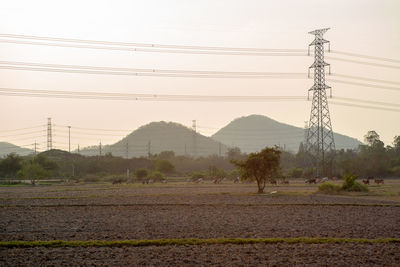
(254, 132)
(8, 148)
(161, 136)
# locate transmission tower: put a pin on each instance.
(49, 135)
(320, 142)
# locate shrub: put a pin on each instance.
(329, 188)
(157, 176)
(349, 180)
(197, 175)
(358, 187)
(141, 174)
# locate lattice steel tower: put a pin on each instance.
(320, 142)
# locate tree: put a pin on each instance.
(165, 166)
(396, 142)
(10, 165)
(141, 173)
(33, 171)
(166, 154)
(260, 166)
(372, 139)
(49, 165)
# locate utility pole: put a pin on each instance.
(127, 157)
(100, 148)
(49, 135)
(78, 149)
(149, 149)
(219, 148)
(35, 147)
(194, 139)
(69, 139)
(127, 150)
(320, 142)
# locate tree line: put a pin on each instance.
(370, 159)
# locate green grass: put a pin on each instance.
(191, 241)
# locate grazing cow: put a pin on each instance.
(237, 180)
(117, 181)
(311, 181)
(365, 181)
(273, 181)
(379, 181)
(285, 182)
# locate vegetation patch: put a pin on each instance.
(191, 241)
(349, 185)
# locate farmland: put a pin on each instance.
(159, 220)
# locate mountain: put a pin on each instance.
(8, 148)
(161, 136)
(254, 132)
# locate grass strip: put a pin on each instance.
(202, 205)
(191, 241)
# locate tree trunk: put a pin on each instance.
(261, 186)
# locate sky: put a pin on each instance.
(364, 27)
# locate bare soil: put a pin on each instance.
(107, 212)
(209, 255)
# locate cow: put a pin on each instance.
(379, 181)
(365, 181)
(311, 181)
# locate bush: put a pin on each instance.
(197, 175)
(157, 176)
(141, 174)
(350, 185)
(329, 188)
(357, 187)
(349, 180)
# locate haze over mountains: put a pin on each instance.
(7, 148)
(250, 133)
(156, 137)
(256, 131)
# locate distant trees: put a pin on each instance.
(10, 165)
(38, 168)
(165, 166)
(260, 166)
(141, 174)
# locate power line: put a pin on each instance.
(149, 45)
(168, 48)
(365, 85)
(367, 101)
(155, 50)
(363, 106)
(146, 70)
(19, 134)
(364, 78)
(26, 128)
(365, 56)
(364, 62)
(153, 97)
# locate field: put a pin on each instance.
(198, 224)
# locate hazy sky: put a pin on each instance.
(366, 27)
